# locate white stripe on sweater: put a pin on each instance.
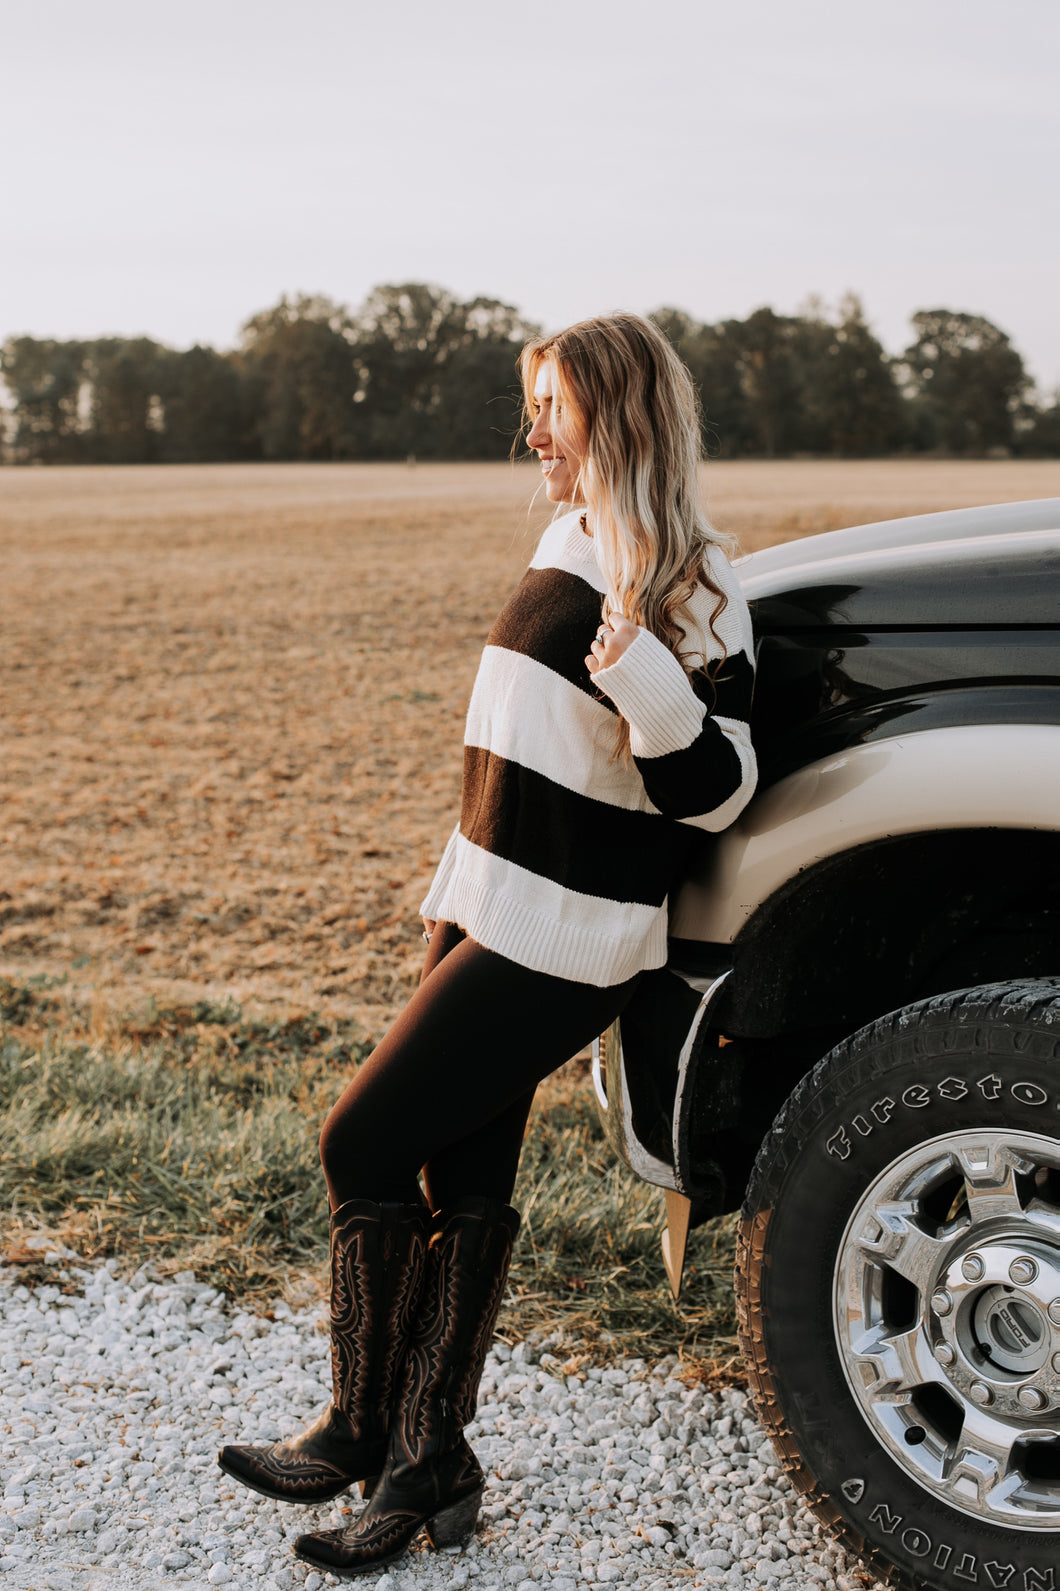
(541, 925)
(565, 546)
(567, 735)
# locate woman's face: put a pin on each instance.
(555, 440)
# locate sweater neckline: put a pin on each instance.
(576, 542)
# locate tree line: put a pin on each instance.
(417, 372)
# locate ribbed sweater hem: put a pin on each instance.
(534, 939)
(565, 950)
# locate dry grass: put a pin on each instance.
(232, 700)
(235, 700)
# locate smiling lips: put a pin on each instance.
(547, 465)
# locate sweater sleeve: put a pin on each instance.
(690, 739)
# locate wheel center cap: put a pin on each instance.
(1000, 1316)
(1015, 1328)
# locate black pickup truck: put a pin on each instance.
(856, 1041)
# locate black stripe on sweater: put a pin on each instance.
(552, 617)
(695, 780)
(729, 695)
(574, 840)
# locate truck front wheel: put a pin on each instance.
(898, 1283)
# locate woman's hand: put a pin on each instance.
(612, 638)
(429, 925)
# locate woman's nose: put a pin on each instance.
(537, 436)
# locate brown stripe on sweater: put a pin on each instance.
(574, 840)
(552, 617)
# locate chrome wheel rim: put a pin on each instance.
(946, 1310)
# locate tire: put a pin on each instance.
(899, 1252)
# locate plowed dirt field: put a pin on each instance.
(232, 701)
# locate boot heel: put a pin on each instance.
(454, 1526)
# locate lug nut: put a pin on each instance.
(1056, 1362)
(1023, 1270)
(1054, 1311)
(942, 1303)
(980, 1393)
(972, 1268)
(945, 1354)
(1031, 1398)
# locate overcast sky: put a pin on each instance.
(170, 169)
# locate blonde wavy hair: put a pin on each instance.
(631, 405)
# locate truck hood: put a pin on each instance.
(997, 567)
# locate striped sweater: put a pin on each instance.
(564, 855)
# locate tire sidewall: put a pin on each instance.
(868, 1105)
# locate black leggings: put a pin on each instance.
(449, 1089)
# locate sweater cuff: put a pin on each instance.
(654, 695)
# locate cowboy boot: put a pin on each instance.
(377, 1261)
(431, 1478)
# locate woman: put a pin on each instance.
(608, 720)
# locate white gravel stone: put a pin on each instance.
(115, 1398)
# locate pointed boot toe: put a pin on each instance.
(386, 1530)
(298, 1471)
(377, 1259)
(351, 1551)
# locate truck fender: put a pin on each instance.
(964, 776)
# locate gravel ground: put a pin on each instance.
(114, 1399)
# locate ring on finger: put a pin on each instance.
(601, 636)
